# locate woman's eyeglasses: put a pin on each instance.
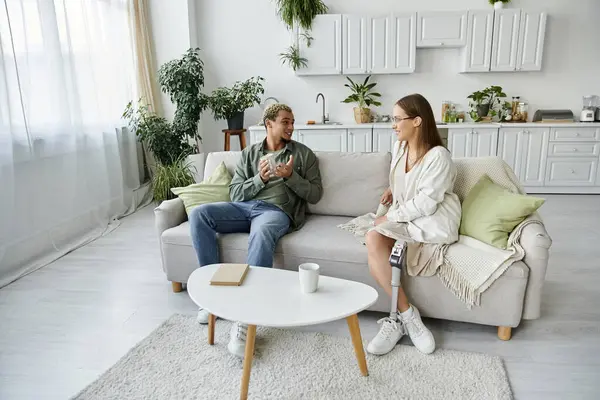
(398, 119)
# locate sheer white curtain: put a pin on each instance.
(67, 168)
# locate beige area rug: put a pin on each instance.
(176, 362)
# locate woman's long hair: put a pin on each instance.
(415, 105)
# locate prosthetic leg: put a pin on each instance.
(397, 260)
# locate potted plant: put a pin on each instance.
(230, 103)
(293, 58)
(498, 4)
(300, 13)
(482, 101)
(182, 79)
(363, 95)
(169, 143)
(169, 147)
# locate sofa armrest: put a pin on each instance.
(169, 214)
(536, 242)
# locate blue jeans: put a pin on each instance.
(265, 222)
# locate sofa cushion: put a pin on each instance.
(211, 190)
(352, 182)
(321, 239)
(230, 158)
(490, 212)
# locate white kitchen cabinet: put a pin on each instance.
(505, 39)
(472, 142)
(571, 172)
(441, 28)
(360, 140)
(477, 53)
(383, 140)
(324, 56)
(532, 30)
(525, 151)
(390, 44)
(459, 142)
(323, 139)
(354, 44)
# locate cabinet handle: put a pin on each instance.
(577, 134)
(575, 149)
(572, 171)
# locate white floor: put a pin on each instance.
(65, 324)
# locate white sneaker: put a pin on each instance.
(389, 335)
(421, 337)
(237, 342)
(202, 317)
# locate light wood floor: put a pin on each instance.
(65, 324)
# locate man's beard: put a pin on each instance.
(285, 139)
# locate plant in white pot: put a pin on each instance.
(364, 97)
(230, 103)
(498, 4)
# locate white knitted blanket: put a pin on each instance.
(467, 267)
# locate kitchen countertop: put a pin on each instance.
(388, 125)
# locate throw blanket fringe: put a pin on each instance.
(458, 285)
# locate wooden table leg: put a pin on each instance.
(242, 141)
(249, 354)
(357, 342)
(227, 141)
(211, 329)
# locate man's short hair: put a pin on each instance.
(272, 111)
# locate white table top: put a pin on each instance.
(272, 297)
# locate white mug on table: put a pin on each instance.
(309, 277)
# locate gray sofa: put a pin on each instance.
(353, 183)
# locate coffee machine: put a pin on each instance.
(591, 109)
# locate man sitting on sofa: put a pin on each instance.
(267, 203)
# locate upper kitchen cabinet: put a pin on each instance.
(324, 56)
(478, 50)
(532, 31)
(505, 39)
(441, 28)
(379, 44)
(518, 40)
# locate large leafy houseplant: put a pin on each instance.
(230, 102)
(168, 146)
(364, 97)
(182, 79)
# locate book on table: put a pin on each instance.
(229, 274)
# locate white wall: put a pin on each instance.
(241, 38)
(171, 37)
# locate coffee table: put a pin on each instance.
(272, 297)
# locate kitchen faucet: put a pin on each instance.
(324, 117)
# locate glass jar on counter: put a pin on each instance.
(522, 110)
(445, 107)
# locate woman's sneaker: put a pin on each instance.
(389, 335)
(421, 337)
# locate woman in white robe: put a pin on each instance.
(422, 208)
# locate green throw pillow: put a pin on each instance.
(491, 212)
(211, 190)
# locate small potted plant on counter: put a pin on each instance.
(230, 103)
(484, 101)
(498, 4)
(362, 95)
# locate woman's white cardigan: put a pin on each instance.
(431, 211)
